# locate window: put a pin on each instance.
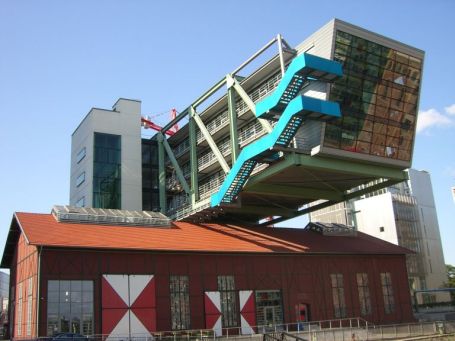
(381, 229)
(226, 287)
(269, 307)
(339, 305)
(180, 302)
(107, 171)
(80, 179)
(81, 202)
(19, 309)
(29, 306)
(387, 293)
(69, 307)
(80, 156)
(364, 294)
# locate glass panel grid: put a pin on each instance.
(387, 292)
(339, 305)
(70, 307)
(106, 171)
(364, 294)
(226, 287)
(180, 302)
(379, 86)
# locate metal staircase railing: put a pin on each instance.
(295, 111)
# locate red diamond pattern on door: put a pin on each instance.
(128, 305)
(212, 305)
(247, 311)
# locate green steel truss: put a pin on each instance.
(265, 194)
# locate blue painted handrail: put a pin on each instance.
(296, 109)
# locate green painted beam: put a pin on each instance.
(233, 129)
(261, 210)
(161, 173)
(209, 93)
(177, 168)
(179, 117)
(293, 192)
(248, 101)
(288, 161)
(348, 196)
(193, 159)
(211, 142)
(349, 167)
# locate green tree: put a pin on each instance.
(451, 279)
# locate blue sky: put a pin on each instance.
(60, 58)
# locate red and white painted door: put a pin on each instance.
(247, 311)
(128, 305)
(213, 311)
(212, 303)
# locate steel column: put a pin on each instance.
(280, 51)
(193, 159)
(161, 173)
(232, 112)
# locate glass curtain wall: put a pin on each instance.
(106, 171)
(378, 95)
(150, 190)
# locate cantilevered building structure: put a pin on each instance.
(318, 124)
(298, 129)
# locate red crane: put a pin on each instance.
(146, 123)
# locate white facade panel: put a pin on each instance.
(123, 120)
(375, 217)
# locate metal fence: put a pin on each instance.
(354, 329)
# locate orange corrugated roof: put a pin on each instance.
(43, 229)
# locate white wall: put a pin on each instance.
(123, 120)
(374, 213)
(421, 189)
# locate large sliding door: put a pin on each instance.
(128, 305)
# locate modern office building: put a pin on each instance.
(324, 122)
(312, 151)
(403, 214)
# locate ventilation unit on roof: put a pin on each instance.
(100, 216)
(331, 229)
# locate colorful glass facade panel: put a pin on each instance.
(378, 95)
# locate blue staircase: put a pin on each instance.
(292, 110)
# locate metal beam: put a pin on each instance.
(177, 168)
(328, 203)
(208, 93)
(280, 52)
(254, 56)
(179, 117)
(210, 141)
(234, 134)
(161, 173)
(293, 192)
(249, 102)
(193, 159)
(350, 167)
(272, 170)
(260, 210)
